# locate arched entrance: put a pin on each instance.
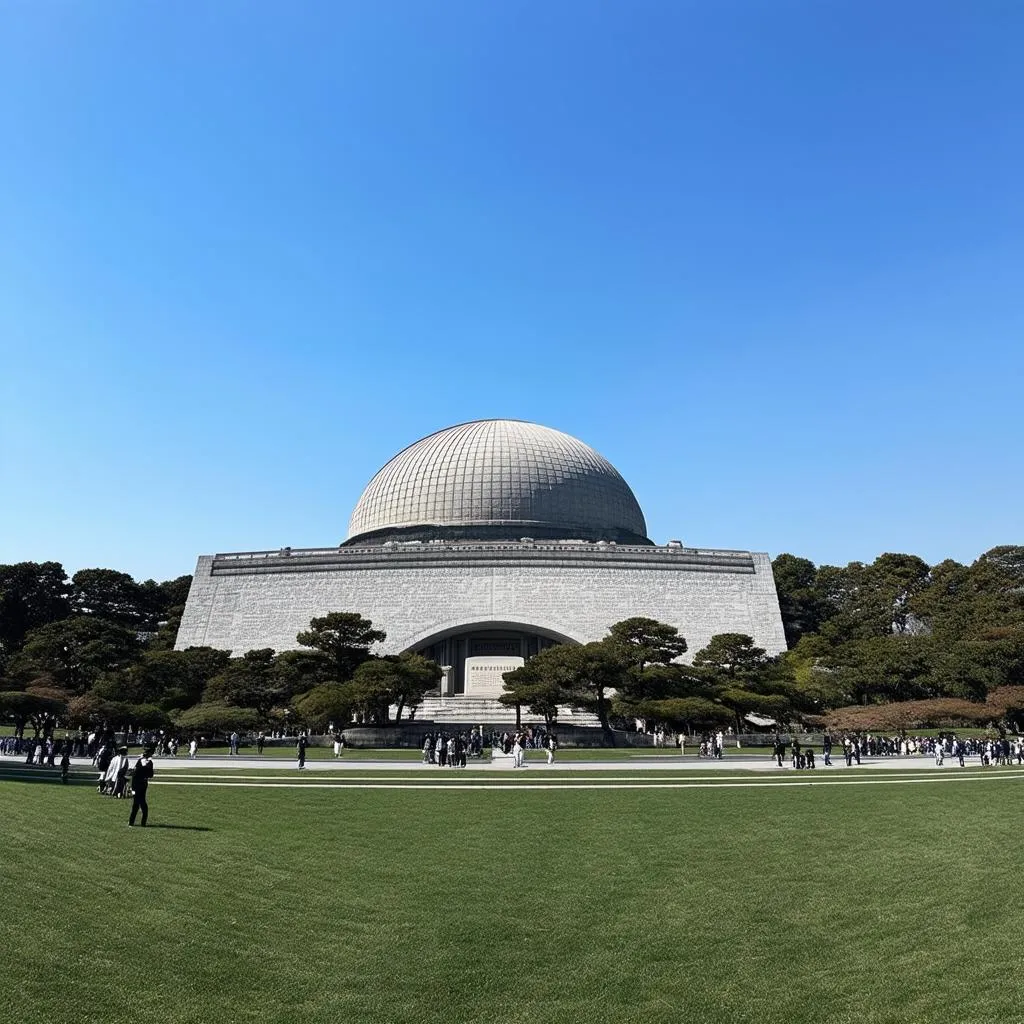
(483, 640)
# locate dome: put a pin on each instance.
(497, 480)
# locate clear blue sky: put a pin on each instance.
(766, 256)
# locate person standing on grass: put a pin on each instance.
(260, 741)
(141, 775)
(65, 763)
(193, 748)
(300, 748)
(337, 744)
(551, 749)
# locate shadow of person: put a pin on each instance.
(183, 828)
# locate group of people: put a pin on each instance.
(517, 747)
(118, 780)
(711, 744)
(451, 750)
(803, 755)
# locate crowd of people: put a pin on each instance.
(451, 750)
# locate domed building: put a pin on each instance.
(478, 546)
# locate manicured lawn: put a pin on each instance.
(859, 904)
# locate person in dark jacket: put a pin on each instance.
(300, 748)
(141, 775)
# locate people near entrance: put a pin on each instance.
(451, 750)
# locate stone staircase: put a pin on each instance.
(468, 710)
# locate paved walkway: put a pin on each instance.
(637, 762)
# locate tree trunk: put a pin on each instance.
(602, 717)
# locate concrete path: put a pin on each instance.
(633, 762)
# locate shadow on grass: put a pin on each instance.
(182, 828)
(24, 773)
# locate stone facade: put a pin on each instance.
(421, 592)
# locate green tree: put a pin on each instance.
(74, 652)
(248, 682)
(326, 704)
(587, 675)
(884, 668)
(641, 641)
(32, 594)
(401, 680)
(530, 686)
(687, 714)
(737, 668)
(373, 687)
(25, 707)
(299, 671)
(345, 637)
(215, 717)
(871, 600)
(417, 676)
(800, 602)
(111, 595)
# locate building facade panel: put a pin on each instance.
(248, 608)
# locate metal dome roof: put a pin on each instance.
(498, 479)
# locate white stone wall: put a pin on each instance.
(243, 611)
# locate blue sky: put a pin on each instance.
(766, 257)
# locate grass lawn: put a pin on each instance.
(864, 904)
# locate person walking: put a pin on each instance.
(551, 749)
(193, 748)
(141, 775)
(300, 748)
(826, 749)
(778, 749)
(260, 741)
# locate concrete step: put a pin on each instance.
(490, 711)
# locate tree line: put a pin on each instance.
(891, 644)
(98, 649)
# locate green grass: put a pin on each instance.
(808, 903)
